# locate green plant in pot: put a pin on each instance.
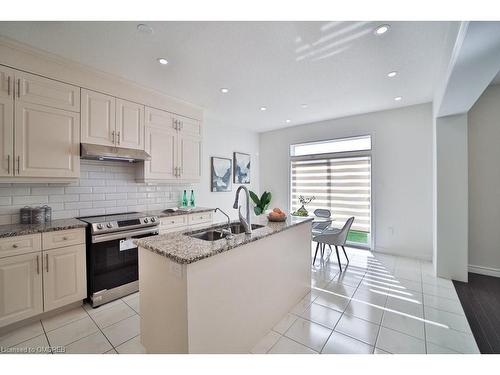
(262, 203)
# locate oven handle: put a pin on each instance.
(122, 235)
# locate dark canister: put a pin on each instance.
(47, 213)
(26, 215)
(38, 215)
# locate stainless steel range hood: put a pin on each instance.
(97, 152)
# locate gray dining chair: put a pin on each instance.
(335, 237)
(321, 226)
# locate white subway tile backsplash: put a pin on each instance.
(30, 199)
(103, 188)
(78, 190)
(50, 190)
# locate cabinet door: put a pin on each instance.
(6, 136)
(20, 287)
(64, 276)
(98, 118)
(161, 144)
(189, 157)
(46, 142)
(189, 126)
(6, 82)
(34, 89)
(129, 124)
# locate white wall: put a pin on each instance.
(451, 197)
(484, 183)
(222, 142)
(401, 172)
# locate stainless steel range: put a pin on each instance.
(112, 259)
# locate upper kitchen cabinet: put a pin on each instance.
(98, 118)
(174, 144)
(129, 124)
(6, 121)
(109, 121)
(39, 128)
(34, 89)
(46, 142)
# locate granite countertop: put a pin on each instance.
(162, 213)
(184, 249)
(12, 230)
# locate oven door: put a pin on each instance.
(113, 259)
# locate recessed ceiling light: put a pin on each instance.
(263, 108)
(224, 90)
(398, 98)
(163, 61)
(303, 105)
(287, 121)
(392, 74)
(382, 29)
(143, 28)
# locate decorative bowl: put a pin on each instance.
(276, 219)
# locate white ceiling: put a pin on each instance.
(336, 68)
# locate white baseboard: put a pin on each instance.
(488, 271)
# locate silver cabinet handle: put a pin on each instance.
(181, 123)
(18, 164)
(8, 164)
(180, 171)
(19, 87)
(118, 137)
(174, 123)
(15, 246)
(175, 171)
(38, 264)
(47, 261)
(113, 136)
(65, 238)
(8, 86)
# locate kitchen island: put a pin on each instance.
(200, 295)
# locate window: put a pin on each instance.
(362, 143)
(339, 182)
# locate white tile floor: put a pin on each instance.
(379, 304)
(111, 328)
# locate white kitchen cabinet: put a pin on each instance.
(109, 121)
(20, 287)
(129, 124)
(161, 144)
(174, 144)
(39, 128)
(35, 89)
(98, 118)
(189, 155)
(47, 142)
(6, 82)
(64, 276)
(6, 136)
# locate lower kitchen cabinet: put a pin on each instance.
(38, 276)
(20, 287)
(64, 276)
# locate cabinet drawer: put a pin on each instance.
(200, 218)
(53, 240)
(173, 222)
(20, 245)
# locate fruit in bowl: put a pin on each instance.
(276, 215)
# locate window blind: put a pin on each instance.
(341, 185)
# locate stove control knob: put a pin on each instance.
(109, 225)
(153, 219)
(99, 226)
(146, 220)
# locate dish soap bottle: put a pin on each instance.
(191, 201)
(184, 199)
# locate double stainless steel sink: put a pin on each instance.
(217, 234)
